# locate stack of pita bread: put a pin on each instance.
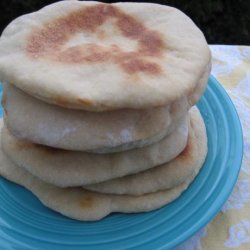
(99, 106)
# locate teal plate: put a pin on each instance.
(26, 224)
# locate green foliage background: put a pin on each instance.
(222, 21)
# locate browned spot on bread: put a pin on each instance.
(101, 34)
(48, 42)
(89, 53)
(87, 202)
(84, 101)
(51, 150)
(134, 65)
(24, 145)
(188, 152)
(61, 101)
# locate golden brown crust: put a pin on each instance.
(187, 152)
(87, 201)
(47, 43)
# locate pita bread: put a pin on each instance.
(74, 168)
(95, 56)
(169, 174)
(81, 204)
(99, 132)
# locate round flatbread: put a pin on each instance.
(80, 204)
(99, 132)
(167, 175)
(95, 56)
(74, 168)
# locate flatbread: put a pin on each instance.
(95, 56)
(167, 175)
(99, 132)
(81, 204)
(74, 168)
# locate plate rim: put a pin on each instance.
(213, 213)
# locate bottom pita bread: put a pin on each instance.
(80, 204)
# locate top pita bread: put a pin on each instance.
(96, 56)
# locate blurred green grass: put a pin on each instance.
(222, 22)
